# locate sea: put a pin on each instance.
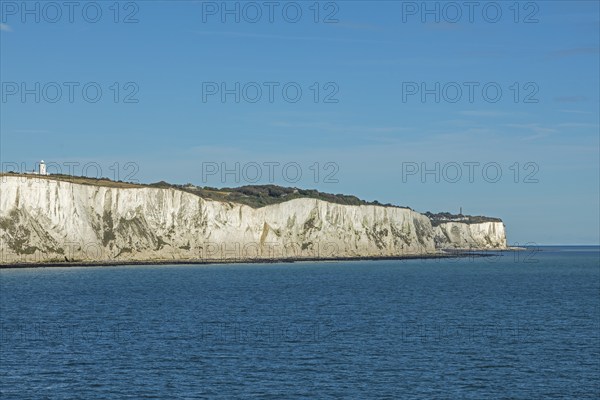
(514, 325)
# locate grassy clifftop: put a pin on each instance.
(257, 196)
(440, 218)
(81, 180)
(253, 196)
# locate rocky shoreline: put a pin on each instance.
(464, 253)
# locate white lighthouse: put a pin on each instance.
(42, 170)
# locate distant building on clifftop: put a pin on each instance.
(41, 169)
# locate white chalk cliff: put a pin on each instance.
(459, 235)
(48, 220)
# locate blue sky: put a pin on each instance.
(364, 56)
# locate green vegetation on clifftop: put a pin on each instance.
(256, 196)
(440, 218)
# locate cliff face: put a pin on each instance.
(45, 220)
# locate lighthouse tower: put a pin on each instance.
(43, 168)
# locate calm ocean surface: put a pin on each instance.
(520, 326)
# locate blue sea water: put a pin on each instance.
(518, 325)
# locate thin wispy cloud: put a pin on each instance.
(231, 151)
(537, 129)
(339, 128)
(32, 131)
(476, 113)
(575, 112)
(284, 37)
(456, 122)
(570, 99)
(578, 51)
(534, 127)
(444, 26)
(357, 26)
(577, 125)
